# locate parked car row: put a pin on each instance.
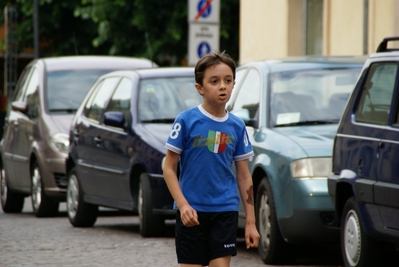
(101, 144)
(35, 140)
(111, 155)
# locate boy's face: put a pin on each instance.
(217, 85)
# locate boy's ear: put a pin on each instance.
(199, 88)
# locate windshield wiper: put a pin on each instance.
(165, 120)
(300, 123)
(67, 110)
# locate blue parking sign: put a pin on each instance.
(203, 49)
(204, 8)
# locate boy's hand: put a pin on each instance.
(251, 236)
(188, 216)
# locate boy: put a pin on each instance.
(207, 139)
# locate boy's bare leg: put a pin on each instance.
(220, 262)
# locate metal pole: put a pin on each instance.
(36, 28)
(365, 25)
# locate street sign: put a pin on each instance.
(203, 38)
(204, 11)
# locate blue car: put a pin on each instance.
(292, 108)
(364, 187)
(117, 140)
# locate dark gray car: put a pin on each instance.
(35, 140)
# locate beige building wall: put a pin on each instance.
(343, 28)
(274, 28)
(381, 22)
(263, 29)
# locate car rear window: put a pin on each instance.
(66, 89)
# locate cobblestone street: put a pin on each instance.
(113, 241)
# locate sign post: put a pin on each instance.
(204, 29)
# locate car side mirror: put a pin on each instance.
(244, 115)
(115, 119)
(19, 106)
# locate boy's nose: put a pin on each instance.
(223, 85)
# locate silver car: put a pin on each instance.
(36, 130)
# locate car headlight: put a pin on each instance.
(311, 167)
(60, 142)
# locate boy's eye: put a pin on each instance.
(214, 81)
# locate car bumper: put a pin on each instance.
(310, 227)
(54, 177)
(311, 215)
(332, 186)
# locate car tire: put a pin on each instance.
(42, 205)
(358, 248)
(151, 225)
(272, 248)
(11, 202)
(80, 213)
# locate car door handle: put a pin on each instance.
(15, 123)
(97, 140)
(381, 145)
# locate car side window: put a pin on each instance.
(31, 97)
(120, 100)
(375, 100)
(21, 85)
(100, 97)
(248, 95)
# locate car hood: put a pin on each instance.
(155, 134)
(316, 141)
(62, 123)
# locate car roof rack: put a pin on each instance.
(383, 47)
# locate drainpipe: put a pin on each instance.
(36, 28)
(304, 27)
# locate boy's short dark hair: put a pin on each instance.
(213, 59)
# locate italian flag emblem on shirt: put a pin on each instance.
(217, 141)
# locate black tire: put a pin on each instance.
(42, 205)
(358, 248)
(151, 225)
(80, 213)
(272, 248)
(10, 202)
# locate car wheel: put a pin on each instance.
(358, 248)
(150, 224)
(80, 213)
(10, 202)
(43, 206)
(272, 248)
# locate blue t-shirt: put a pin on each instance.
(208, 146)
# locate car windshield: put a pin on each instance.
(66, 89)
(307, 97)
(162, 99)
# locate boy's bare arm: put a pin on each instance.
(245, 186)
(188, 214)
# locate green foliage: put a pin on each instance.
(156, 29)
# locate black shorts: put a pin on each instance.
(214, 237)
